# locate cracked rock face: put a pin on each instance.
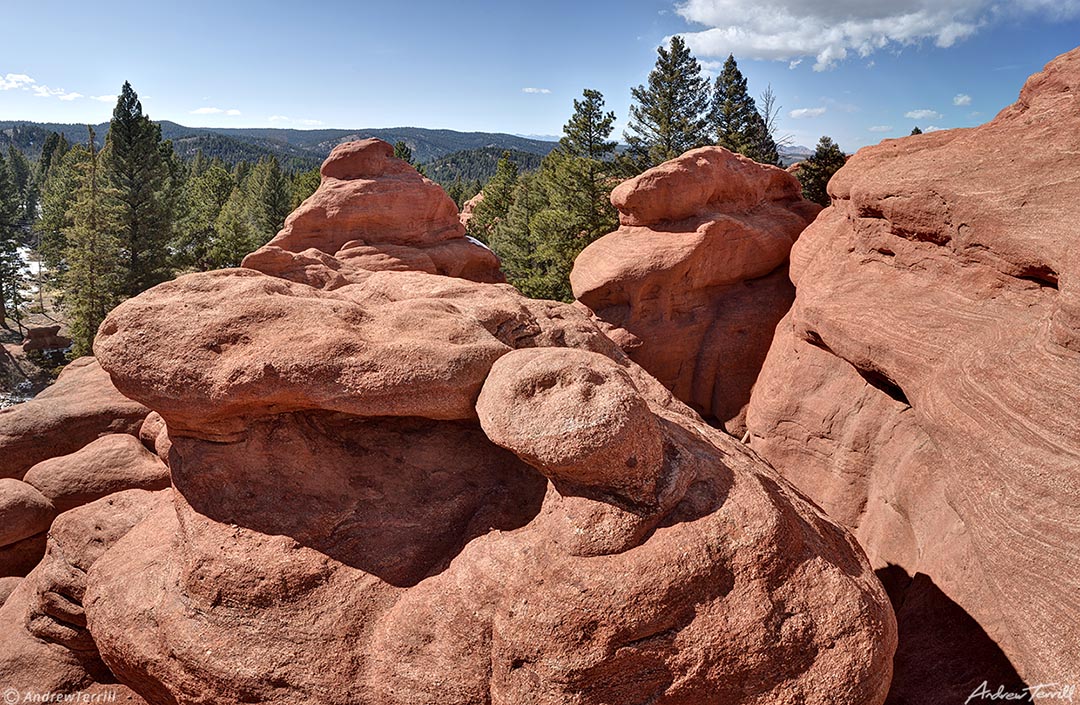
(923, 388)
(411, 488)
(695, 279)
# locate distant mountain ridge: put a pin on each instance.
(297, 149)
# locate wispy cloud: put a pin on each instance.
(307, 122)
(933, 128)
(215, 111)
(278, 118)
(880, 128)
(799, 113)
(923, 114)
(310, 122)
(535, 90)
(831, 32)
(961, 99)
(70, 96)
(104, 98)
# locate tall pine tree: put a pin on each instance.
(94, 280)
(135, 166)
(739, 125)
(12, 276)
(669, 115)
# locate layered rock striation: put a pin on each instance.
(923, 388)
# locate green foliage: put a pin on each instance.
(554, 213)
(12, 277)
(268, 199)
(57, 199)
(402, 152)
(205, 195)
(498, 197)
(25, 189)
(235, 235)
(916, 131)
(815, 172)
(476, 165)
(96, 276)
(303, 185)
(136, 167)
(669, 115)
(739, 125)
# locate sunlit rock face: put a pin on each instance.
(405, 487)
(923, 390)
(695, 279)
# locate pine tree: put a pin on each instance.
(403, 152)
(815, 172)
(57, 199)
(234, 236)
(739, 125)
(25, 188)
(52, 151)
(12, 273)
(96, 274)
(135, 166)
(206, 195)
(498, 197)
(268, 199)
(669, 116)
(303, 185)
(916, 131)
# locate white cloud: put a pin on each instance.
(807, 113)
(11, 81)
(278, 118)
(794, 64)
(961, 99)
(880, 128)
(934, 128)
(215, 111)
(103, 98)
(830, 30)
(71, 96)
(535, 90)
(923, 114)
(310, 122)
(46, 92)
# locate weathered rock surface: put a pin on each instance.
(25, 515)
(923, 388)
(110, 464)
(45, 338)
(693, 283)
(373, 212)
(7, 586)
(80, 406)
(44, 644)
(360, 514)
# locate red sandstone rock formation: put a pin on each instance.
(446, 492)
(924, 387)
(469, 209)
(47, 338)
(80, 406)
(693, 283)
(373, 212)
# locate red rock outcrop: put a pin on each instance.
(110, 464)
(924, 387)
(468, 210)
(46, 338)
(26, 514)
(373, 212)
(79, 407)
(446, 492)
(695, 280)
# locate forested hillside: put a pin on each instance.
(297, 149)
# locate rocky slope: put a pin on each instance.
(923, 388)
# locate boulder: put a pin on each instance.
(110, 464)
(373, 212)
(923, 388)
(45, 338)
(446, 492)
(469, 209)
(25, 515)
(80, 406)
(44, 644)
(695, 280)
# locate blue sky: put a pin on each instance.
(858, 70)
